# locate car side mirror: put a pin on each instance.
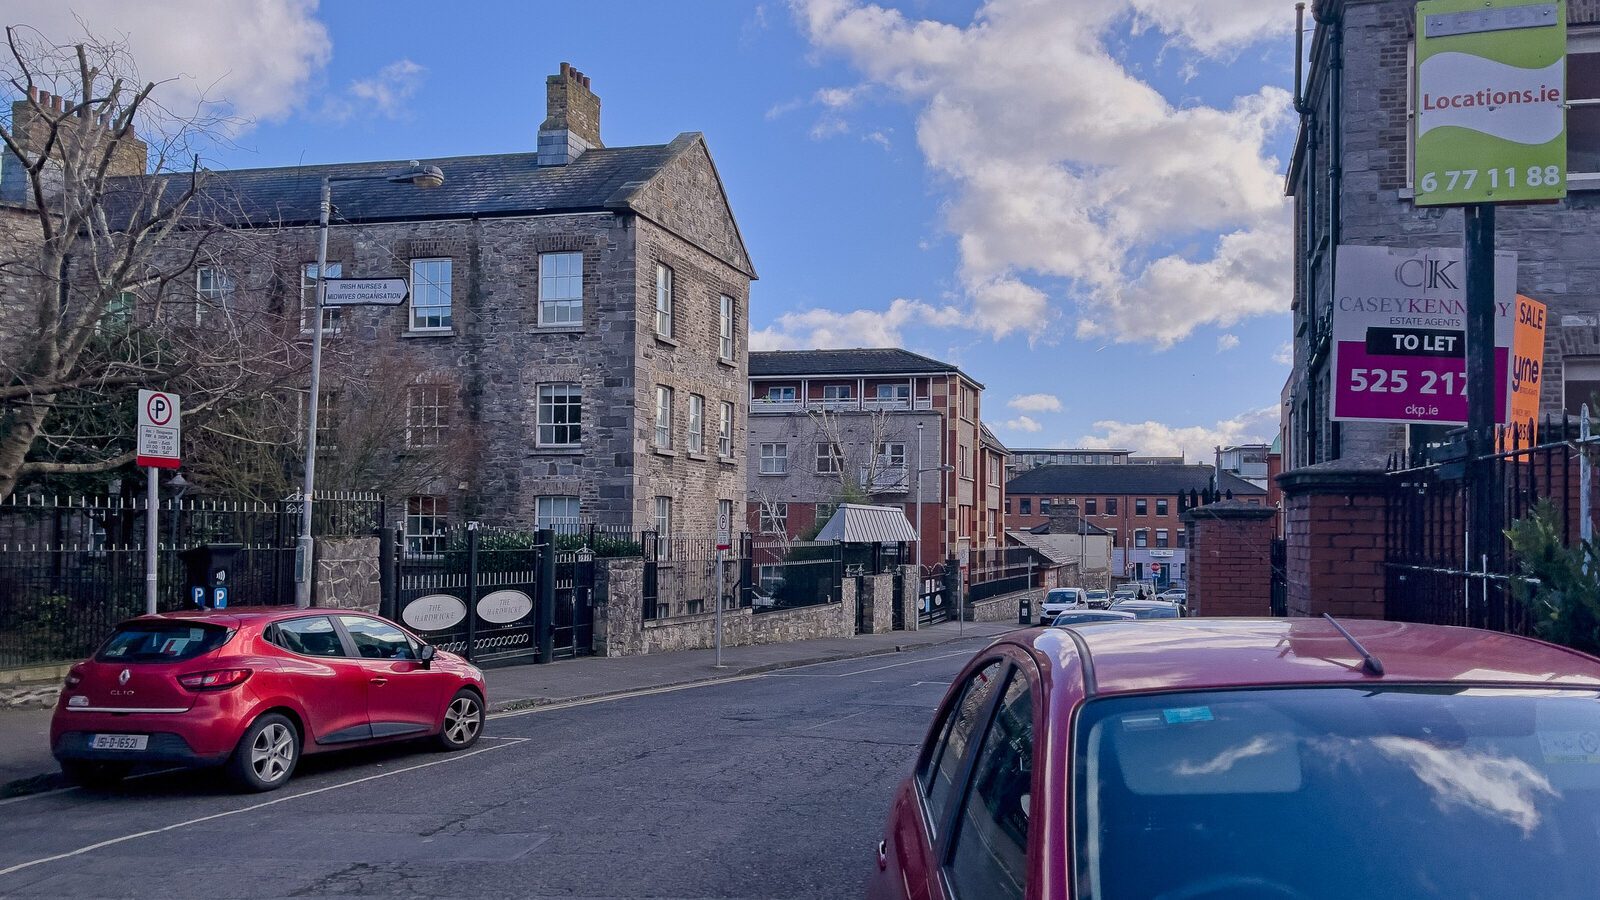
(427, 655)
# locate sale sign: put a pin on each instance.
(1399, 334)
(1527, 370)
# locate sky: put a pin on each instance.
(1079, 203)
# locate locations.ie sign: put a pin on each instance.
(1491, 124)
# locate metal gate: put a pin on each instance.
(933, 601)
(573, 616)
(863, 606)
(473, 591)
(1280, 578)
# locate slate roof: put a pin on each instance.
(486, 186)
(864, 361)
(1153, 480)
(1057, 548)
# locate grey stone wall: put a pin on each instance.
(697, 632)
(808, 623)
(910, 597)
(879, 599)
(1004, 608)
(618, 607)
(347, 573)
(20, 240)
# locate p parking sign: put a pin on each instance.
(1491, 120)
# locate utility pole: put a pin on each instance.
(1484, 522)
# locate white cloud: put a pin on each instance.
(828, 126)
(256, 56)
(385, 95)
(879, 137)
(1098, 175)
(1227, 342)
(1284, 355)
(1021, 423)
(827, 328)
(1194, 441)
(1035, 403)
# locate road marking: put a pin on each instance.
(511, 742)
(840, 719)
(644, 692)
(72, 787)
(894, 665)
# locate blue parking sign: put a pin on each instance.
(199, 596)
(219, 598)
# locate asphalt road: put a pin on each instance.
(770, 786)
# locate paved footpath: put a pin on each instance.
(26, 765)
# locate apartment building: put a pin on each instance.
(882, 426)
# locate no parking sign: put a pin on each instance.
(160, 431)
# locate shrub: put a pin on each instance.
(1561, 583)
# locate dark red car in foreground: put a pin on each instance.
(253, 689)
(1277, 759)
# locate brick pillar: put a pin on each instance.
(1334, 534)
(1230, 558)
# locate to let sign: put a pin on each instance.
(1491, 120)
(1399, 334)
(160, 434)
(365, 292)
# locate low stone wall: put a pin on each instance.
(1004, 607)
(879, 601)
(807, 623)
(697, 632)
(618, 607)
(910, 599)
(347, 573)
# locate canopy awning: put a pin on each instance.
(855, 523)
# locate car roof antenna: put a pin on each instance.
(1372, 663)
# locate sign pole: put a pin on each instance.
(724, 542)
(1482, 376)
(719, 610)
(151, 535)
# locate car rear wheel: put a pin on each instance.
(463, 721)
(92, 774)
(267, 754)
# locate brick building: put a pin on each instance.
(1139, 505)
(1350, 180)
(833, 425)
(580, 309)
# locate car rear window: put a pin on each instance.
(161, 641)
(1417, 791)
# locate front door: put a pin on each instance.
(402, 696)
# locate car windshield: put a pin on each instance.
(1431, 791)
(161, 641)
(1097, 595)
(1061, 596)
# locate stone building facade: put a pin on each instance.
(554, 293)
(867, 405)
(1350, 182)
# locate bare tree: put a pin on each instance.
(862, 466)
(98, 295)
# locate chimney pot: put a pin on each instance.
(60, 103)
(44, 99)
(566, 69)
(33, 92)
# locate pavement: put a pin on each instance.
(765, 785)
(27, 767)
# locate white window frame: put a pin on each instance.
(427, 518)
(550, 398)
(559, 305)
(663, 417)
(427, 414)
(426, 272)
(774, 517)
(1163, 538)
(697, 423)
(775, 458)
(214, 287)
(665, 301)
(892, 455)
(781, 395)
(728, 311)
(837, 392)
(332, 316)
(663, 518)
(894, 391)
(558, 511)
(725, 430)
(830, 458)
(1141, 538)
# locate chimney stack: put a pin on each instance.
(572, 118)
(1064, 518)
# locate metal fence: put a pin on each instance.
(994, 571)
(786, 574)
(680, 576)
(1435, 571)
(72, 567)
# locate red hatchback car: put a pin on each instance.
(1282, 759)
(253, 689)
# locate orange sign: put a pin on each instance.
(1527, 371)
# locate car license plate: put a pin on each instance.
(119, 741)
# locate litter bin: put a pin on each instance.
(206, 570)
(1025, 611)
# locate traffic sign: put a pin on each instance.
(365, 292)
(724, 530)
(160, 430)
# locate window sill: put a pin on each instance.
(659, 451)
(565, 450)
(727, 363)
(428, 332)
(556, 329)
(727, 460)
(699, 456)
(663, 339)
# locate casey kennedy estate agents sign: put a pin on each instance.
(1399, 334)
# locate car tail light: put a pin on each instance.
(214, 680)
(74, 679)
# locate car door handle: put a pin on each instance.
(883, 856)
(380, 680)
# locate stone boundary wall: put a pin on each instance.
(804, 624)
(347, 574)
(1004, 607)
(1230, 558)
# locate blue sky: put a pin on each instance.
(855, 146)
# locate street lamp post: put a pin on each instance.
(416, 175)
(920, 469)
